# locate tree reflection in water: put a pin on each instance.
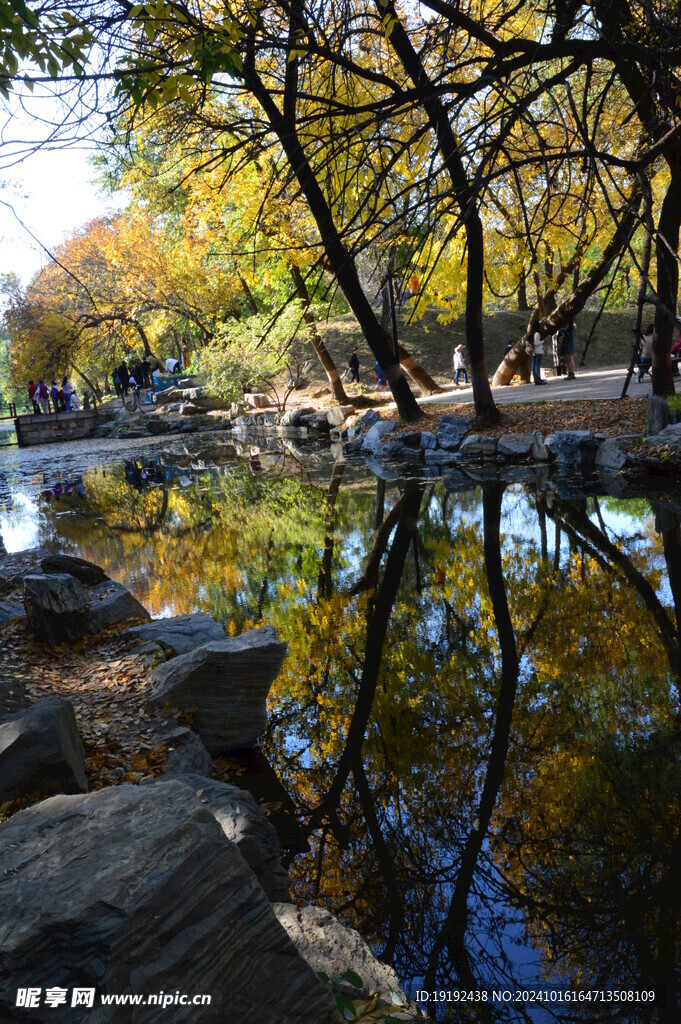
(478, 719)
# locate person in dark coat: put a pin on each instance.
(124, 375)
(354, 365)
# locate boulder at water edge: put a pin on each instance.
(225, 686)
(41, 751)
(57, 608)
(245, 825)
(181, 633)
(86, 572)
(110, 603)
(136, 889)
(331, 948)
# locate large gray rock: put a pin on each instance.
(331, 948)
(479, 446)
(180, 633)
(517, 446)
(225, 685)
(57, 608)
(41, 751)
(575, 447)
(452, 431)
(86, 572)
(110, 603)
(338, 414)
(610, 456)
(244, 824)
(671, 435)
(375, 433)
(136, 889)
(367, 420)
(186, 752)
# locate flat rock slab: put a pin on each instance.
(476, 446)
(244, 824)
(110, 603)
(57, 608)
(136, 889)
(670, 435)
(517, 446)
(181, 633)
(86, 572)
(330, 947)
(225, 684)
(41, 751)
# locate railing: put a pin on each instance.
(12, 414)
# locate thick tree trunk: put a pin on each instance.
(666, 247)
(466, 199)
(523, 304)
(321, 351)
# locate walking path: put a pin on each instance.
(589, 384)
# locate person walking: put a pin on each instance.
(124, 376)
(33, 396)
(354, 365)
(460, 364)
(569, 349)
(645, 359)
(537, 356)
(54, 395)
(67, 388)
(116, 381)
(43, 396)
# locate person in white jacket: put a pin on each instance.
(460, 364)
(537, 356)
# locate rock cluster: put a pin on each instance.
(60, 608)
(224, 684)
(173, 885)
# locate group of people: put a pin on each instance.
(56, 398)
(563, 350)
(131, 378)
(144, 373)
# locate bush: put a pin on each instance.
(256, 354)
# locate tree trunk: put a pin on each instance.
(523, 304)
(322, 352)
(453, 931)
(96, 390)
(250, 297)
(339, 257)
(567, 310)
(666, 248)
(466, 199)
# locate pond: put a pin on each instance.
(477, 723)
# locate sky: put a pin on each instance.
(53, 193)
(52, 190)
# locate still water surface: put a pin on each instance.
(478, 717)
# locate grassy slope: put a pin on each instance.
(433, 342)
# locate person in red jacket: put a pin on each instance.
(33, 396)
